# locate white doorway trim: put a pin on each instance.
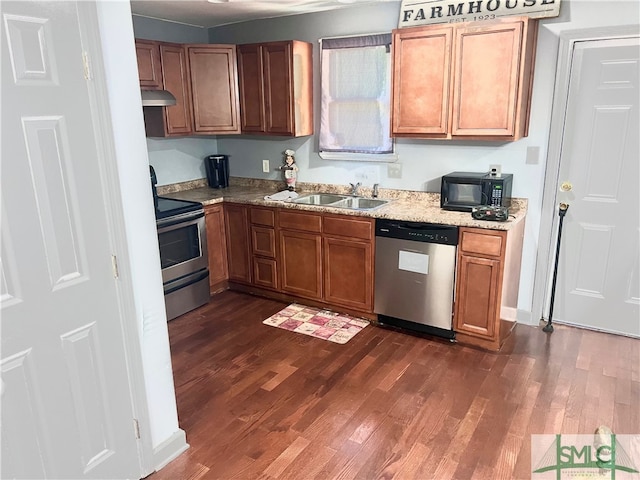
(549, 215)
(117, 232)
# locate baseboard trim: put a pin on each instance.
(525, 317)
(170, 449)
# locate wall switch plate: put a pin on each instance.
(394, 170)
(265, 166)
(533, 155)
(495, 170)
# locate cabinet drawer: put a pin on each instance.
(265, 272)
(482, 242)
(263, 241)
(352, 227)
(263, 216)
(306, 222)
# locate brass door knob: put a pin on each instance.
(566, 186)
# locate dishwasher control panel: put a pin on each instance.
(418, 232)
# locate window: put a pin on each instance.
(355, 105)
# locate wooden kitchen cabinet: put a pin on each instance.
(276, 88)
(214, 78)
(149, 70)
(163, 66)
(264, 247)
(236, 223)
(301, 253)
(348, 262)
(216, 247)
(202, 77)
(421, 80)
(487, 283)
(464, 81)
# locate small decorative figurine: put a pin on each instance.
(290, 169)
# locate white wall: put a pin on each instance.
(424, 162)
(116, 32)
(175, 159)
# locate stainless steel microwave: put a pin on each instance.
(462, 191)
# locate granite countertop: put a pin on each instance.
(404, 205)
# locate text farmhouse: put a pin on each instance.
(421, 12)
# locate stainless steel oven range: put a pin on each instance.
(183, 254)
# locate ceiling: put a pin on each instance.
(212, 13)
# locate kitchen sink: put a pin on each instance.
(341, 201)
(319, 199)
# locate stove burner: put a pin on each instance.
(168, 207)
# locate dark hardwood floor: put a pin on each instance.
(261, 402)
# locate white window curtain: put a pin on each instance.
(356, 91)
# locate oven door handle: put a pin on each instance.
(186, 218)
(185, 281)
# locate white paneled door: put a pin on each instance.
(599, 270)
(66, 400)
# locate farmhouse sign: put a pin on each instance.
(425, 12)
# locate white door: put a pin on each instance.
(598, 283)
(66, 400)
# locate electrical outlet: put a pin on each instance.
(265, 166)
(495, 170)
(394, 170)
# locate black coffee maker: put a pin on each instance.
(217, 167)
(154, 182)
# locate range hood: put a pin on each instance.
(157, 98)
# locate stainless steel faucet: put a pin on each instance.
(375, 191)
(354, 188)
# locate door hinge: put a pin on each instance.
(136, 428)
(86, 66)
(114, 266)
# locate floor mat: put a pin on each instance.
(324, 324)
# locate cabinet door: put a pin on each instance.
(348, 273)
(238, 247)
(149, 71)
(250, 83)
(175, 76)
(214, 78)
(216, 244)
(301, 263)
(278, 87)
(487, 69)
(477, 303)
(421, 81)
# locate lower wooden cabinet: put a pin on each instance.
(327, 259)
(264, 247)
(348, 273)
(301, 263)
(216, 246)
(348, 261)
(236, 219)
(487, 285)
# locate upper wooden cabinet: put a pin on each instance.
(173, 75)
(203, 78)
(214, 88)
(466, 81)
(276, 88)
(149, 70)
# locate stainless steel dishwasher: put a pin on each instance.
(415, 273)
